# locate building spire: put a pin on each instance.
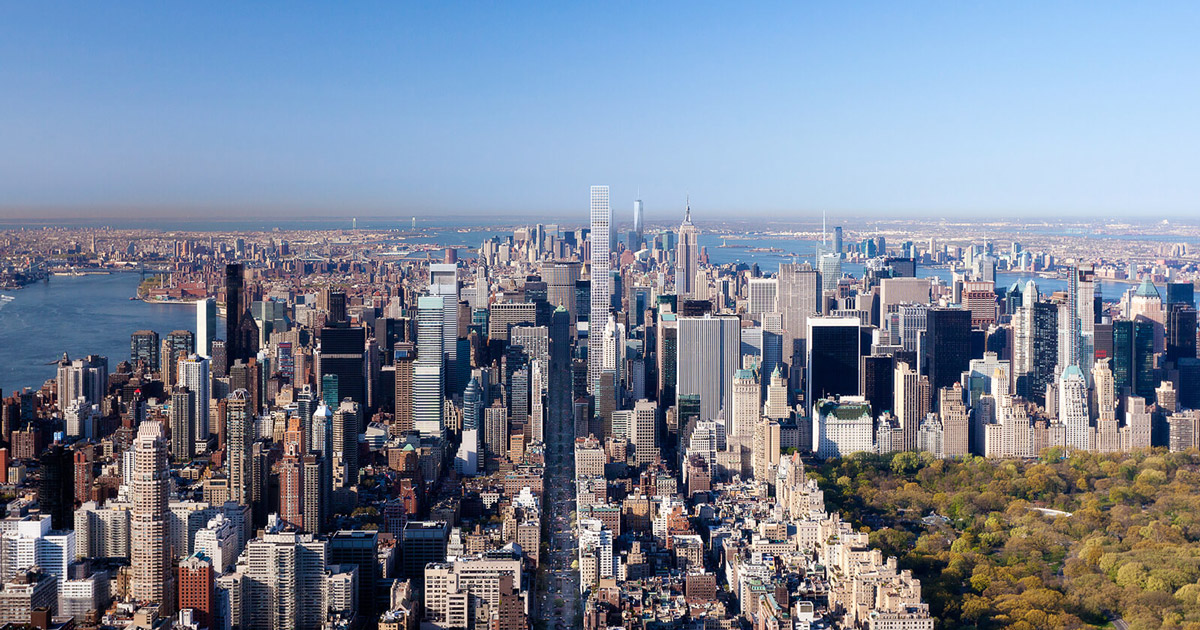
(687, 214)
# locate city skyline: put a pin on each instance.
(784, 111)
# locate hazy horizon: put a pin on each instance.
(773, 111)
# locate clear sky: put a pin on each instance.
(890, 108)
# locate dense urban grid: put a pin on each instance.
(569, 426)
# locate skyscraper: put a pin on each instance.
(183, 403)
(345, 442)
(833, 359)
(947, 345)
(443, 281)
(642, 433)
(144, 350)
(343, 353)
(193, 374)
(601, 238)
(561, 278)
(639, 225)
(206, 325)
(687, 257)
(1073, 408)
(429, 370)
(798, 296)
(239, 427)
(233, 313)
(153, 578)
(709, 353)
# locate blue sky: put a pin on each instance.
(891, 109)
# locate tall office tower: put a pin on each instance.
(667, 356)
(1023, 342)
(746, 397)
(837, 241)
(82, 378)
(912, 320)
(947, 345)
(833, 359)
(642, 434)
(980, 298)
(321, 433)
(1044, 322)
(193, 374)
(600, 297)
(830, 268)
(220, 359)
(912, 403)
(183, 413)
(1181, 332)
(284, 575)
(614, 348)
(1181, 293)
(772, 345)
(762, 294)
(1133, 358)
(329, 390)
(346, 420)
(55, 490)
(798, 296)
(561, 278)
(177, 346)
(153, 578)
(1104, 391)
(206, 325)
(234, 308)
(306, 404)
(639, 226)
(1073, 407)
(404, 357)
(343, 353)
(709, 352)
(1145, 304)
(144, 350)
(443, 282)
(879, 382)
(956, 431)
(239, 429)
(358, 548)
(687, 257)
(429, 369)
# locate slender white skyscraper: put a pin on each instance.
(601, 236)
(206, 325)
(639, 225)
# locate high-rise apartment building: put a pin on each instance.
(153, 578)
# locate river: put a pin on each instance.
(79, 315)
